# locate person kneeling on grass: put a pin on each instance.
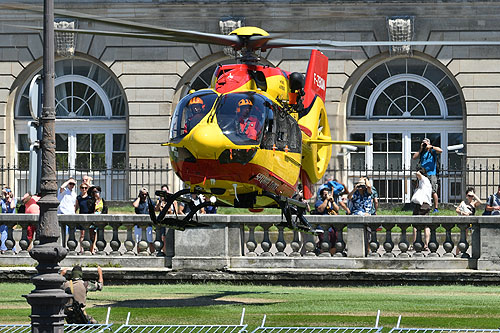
(75, 307)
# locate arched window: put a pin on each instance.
(91, 128)
(404, 88)
(396, 103)
(83, 90)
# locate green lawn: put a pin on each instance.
(420, 306)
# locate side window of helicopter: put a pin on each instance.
(269, 135)
(189, 112)
(241, 117)
(288, 136)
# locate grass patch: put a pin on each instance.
(420, 306)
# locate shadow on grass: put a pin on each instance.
(205, 300)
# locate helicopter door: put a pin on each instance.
(288, 136)
(189, 112)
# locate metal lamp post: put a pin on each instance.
(47, 299)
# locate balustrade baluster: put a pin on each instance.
(448, 243)
(309, 245)
(373, 244)
(463, 244)
(72, 244)
(388, 243)
(266, 243)
(324, 241)
(130, 242)
(403, 242)
(101, 242)
(280, 243)
(85, 244)
(142, 246)
(295, 244)
(115, 241)
(10, 243)
(158, 244)
(418, 245)
(433, 244)
(340, 244)
(251, 243)
(24, 242)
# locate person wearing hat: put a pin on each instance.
(78, 288)
(248, 125)
(67, 197)
(30, 203)
(428, 160)
(196, 112)
(360, 197)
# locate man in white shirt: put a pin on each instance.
(67, 197)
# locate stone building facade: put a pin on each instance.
(115, 95)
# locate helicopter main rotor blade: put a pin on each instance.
(111, 33)
(279, 43)
(253, 42)
(181, 35)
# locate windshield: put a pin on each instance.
(241, 116)
(188, 113)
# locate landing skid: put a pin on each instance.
(179, 222)
(288, 206)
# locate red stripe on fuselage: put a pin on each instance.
(231, 77)
(249, 173)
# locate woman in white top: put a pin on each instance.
(469, 205)
(422, 198)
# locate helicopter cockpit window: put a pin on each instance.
(241, 116)
(190, 111)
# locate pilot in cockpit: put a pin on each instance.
(196, 112)
(248, 125)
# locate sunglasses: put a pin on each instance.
(470, 195)
(83, 187)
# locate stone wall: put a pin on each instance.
(151, 71)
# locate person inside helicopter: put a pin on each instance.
(196, 112)
(248, 125)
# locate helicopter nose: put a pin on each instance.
(207, 141)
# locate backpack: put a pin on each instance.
(74, 312)
(333, 185)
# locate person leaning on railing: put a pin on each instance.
(360, 198)
(493, 204)
(8, 203)
(468, 206)
(422, 198)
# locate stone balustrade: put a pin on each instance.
(115, 241)
(259, 241)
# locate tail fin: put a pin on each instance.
(306, 184)
(317, 72)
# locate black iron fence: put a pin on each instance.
(394, 185)
(117, 184)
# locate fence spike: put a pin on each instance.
(107, 316)
(128, 317)
(399, 321)
(242, 316)
(378, 317)
(263, 321)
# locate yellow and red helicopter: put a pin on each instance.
(257, 132)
